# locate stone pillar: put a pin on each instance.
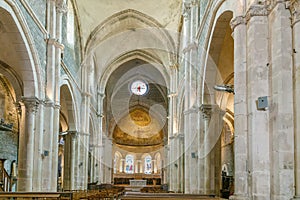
(180, 163)
(205, 154)
(295, 10)
(47, 146)
(241, 143)
(69, 160)
(74, 160)
(258, 86)
(202, 120)
(281, 109)
(38, 149)
(61, 8)
(100, 116)
(172, 127)
(107, 158)
(26, 143)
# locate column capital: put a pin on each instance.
(174, 66)
(186, 13)
(86, 94)
(237, 21)
(172, 94)
(207, 109)
(101, 94)
(61, 6)
(257, 10)
(49, 103)
(73, 134)
(294, 7)
(195, 3)
(30, 103)
(56, 43)
(191, 110)
(190, 47)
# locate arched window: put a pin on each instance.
(70, 24)
(117, 160)
(148, 164)
(129, 164)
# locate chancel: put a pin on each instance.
(137, 99)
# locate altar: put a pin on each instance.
(138, 183)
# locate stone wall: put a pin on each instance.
(8, 139)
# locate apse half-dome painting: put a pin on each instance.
(138, 128)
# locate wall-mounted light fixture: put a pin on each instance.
(224, 88)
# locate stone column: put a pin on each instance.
(180, 165)
(201, 160)
(258, 86)
(61, 8)
(74, 160)
(100, 116)
(281, 109)
(47, 146)
(38, 148)
(186, 41)
(172, 126)
(295, 10)
(26, 143)
(241, 143)
(205, 154)
(107, 165)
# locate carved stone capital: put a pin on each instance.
(56, 43)
(207, 110)
(31, 104)
(195, 3)
(49, 103)
(61, 6)
(257, 10)
(186, 13)
(74, 134)
(294, 6)
(237, 21)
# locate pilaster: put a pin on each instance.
(29, 107)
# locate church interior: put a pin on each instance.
(136, 99)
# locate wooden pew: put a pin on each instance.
(167, 196)
(36, 195)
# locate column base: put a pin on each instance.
(238, 197)
(296, 198)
